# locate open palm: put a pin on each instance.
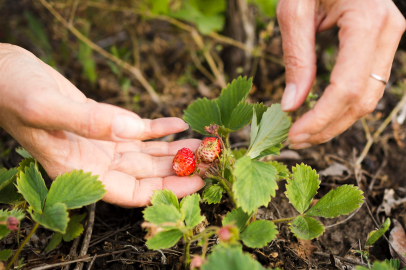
(64, 131)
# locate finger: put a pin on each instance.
(162, 127)
(298, 27)
(383, 57)
(53, 111)
(126, 191)
(142, 165)
(348, 80)
(158, 149)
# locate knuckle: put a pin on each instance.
(91, 124)
(380, 15)
(351, 91)
(31, 110)
(366, 108)
(294, 62)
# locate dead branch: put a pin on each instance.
(126, 66)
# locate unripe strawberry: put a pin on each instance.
(184, 163)
(209, 149)
(228, 233)
(12, 223)
(197, 262)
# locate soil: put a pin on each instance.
(166, 59)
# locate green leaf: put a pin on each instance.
(209, 7)
(74, 228)
(54, 217)
(259, 233)
(394, 263)
(281, 168)
(38, 36)
(376, 234)
(272, 130)
(255, 184)
(239, 153)
(306, 228)
(190, 209)
(230, 259)
(161, 214)
(85, 56)
(235, 93)
(208, 24)
(31, 185)
(17, 213)
(213, 194)
(8, 190)
(260, 109)
(22, 152)
(274, 151)
(237, 217)
(5, 254)
(201, 113)
(159, 6)
(55, 240)
(4, 231)
(377, 266)
(6, 177)
(254, 127)
(25, 163)
(165, 239)
(4, 215)
(240, 117)
(75, 189)
(268, 7)
(166, 197)
(301, 189)
(340, 201)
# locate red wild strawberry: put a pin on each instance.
(184, 163)
(209, 149)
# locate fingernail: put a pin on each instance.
(299, 145)
(187, 126)
(288, 98)
(299, 138)
(127, 127)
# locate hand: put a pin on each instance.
(64, 130)
(370, 31)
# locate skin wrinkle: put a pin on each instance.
(51, 135)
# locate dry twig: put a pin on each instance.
(88, 235)
(126, 66)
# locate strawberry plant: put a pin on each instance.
(24, 189)
(248, 182)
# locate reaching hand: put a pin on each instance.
(370, 31)
(64, 130)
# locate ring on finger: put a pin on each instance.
(379, 78)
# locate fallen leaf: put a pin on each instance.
(397, 239)
(306, 247)
(335, 169)
(389, 202)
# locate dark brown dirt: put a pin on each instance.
(167, 63)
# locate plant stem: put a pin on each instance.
(22, 245)
(226, 186)
(228, 140)
(205, 245)
(254, 216)
(282, 219)
(187, 252)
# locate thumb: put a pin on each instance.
(89, 119)
(297, 22)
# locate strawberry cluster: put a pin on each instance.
(184, 163)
